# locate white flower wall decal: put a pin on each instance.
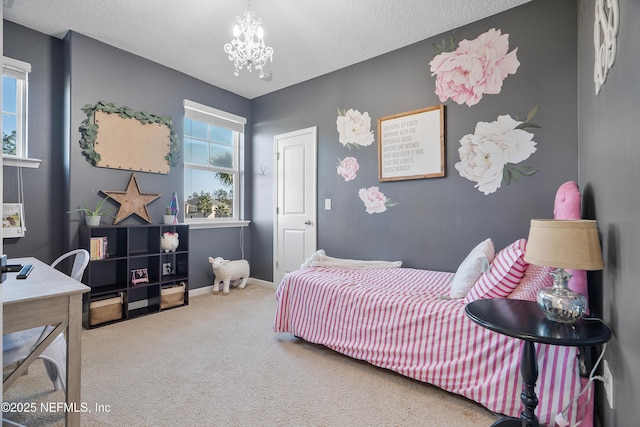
(490, 155)
(354, 128)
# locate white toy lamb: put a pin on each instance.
(225, 271)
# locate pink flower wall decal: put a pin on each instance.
(476, 67)
(374, 200)
(348, 167)
(489, 156)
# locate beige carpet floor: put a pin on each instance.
(217, 362)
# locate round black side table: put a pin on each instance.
(524, 320)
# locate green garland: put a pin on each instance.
(89, 129)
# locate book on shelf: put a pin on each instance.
(98, 248)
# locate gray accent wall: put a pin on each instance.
(43, 199)
(69, 74)
(609, 155)
(437, 221)
(101, 72)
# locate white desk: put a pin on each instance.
(46, 297)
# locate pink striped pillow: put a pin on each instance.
(507, 269)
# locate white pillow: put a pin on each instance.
(468, 273)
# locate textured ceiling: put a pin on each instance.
(309, 37)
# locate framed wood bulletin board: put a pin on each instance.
(120, 138)
(131, 145)
(411, 145)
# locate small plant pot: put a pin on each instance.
(167, 219)
(92, 220)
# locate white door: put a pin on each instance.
(295, 237)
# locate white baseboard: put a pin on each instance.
(208, 289)
(261, 282)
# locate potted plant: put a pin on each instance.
(168, 216)
(93, 216)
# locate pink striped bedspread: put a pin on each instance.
(393, 318)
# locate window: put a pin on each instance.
(212, 173)
(14, 107)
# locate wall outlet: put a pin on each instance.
(607, 379)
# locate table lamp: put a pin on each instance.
(572, 244)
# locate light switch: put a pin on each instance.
(327, 204)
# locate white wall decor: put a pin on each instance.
(605, 32)
(13, 220)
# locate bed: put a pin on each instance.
(407, 320)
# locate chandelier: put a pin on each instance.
(248, 48)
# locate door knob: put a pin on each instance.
(307, 222)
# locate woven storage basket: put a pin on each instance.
(105, 310)
(172, 296)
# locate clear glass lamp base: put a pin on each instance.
(559, 303)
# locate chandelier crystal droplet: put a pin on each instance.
(248, 48)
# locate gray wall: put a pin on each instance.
(438, 220)
(42, 191)
(101, 72)
(68, 74)
(609, 176)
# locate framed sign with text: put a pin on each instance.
(411, 145)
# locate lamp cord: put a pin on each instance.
(242, 242)
(561, 417)
(21, 199)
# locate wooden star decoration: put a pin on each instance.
(132, 201)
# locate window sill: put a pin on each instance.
(21, 162)
(200, 224)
